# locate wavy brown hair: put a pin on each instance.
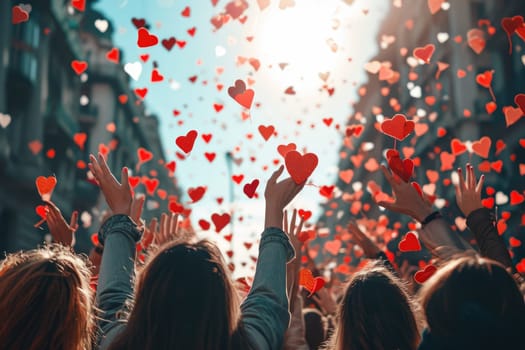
(45, 300)
(184, 299)
(376, 312)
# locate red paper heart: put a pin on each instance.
(175, 207)
(144, 155)
(398, 127)
(41, 210)
(171, 166)
(79, 5)
(220, 221)
(239, 93)
(409, 243)
(141, 93)
(138, 22)
(145, 39)
(424, 53)
(80, 139)
(210, 156)
(300, 167)
(512, 115)
(482, 147)
(196, 193)
(404, 169)
(191, 31)
(45, 186)
(519, 99)
(150, 184)
(485, 79)
(422, 275)
(79, 66)
(156, 76)
(307, 280)
(205, 225)
(266, 131)
(238, 178)
(169, 43)
(113, 55)
(218, 107)
(284, 149)
(250, 188)
(333, 247)
(354, 130)
(304, 214)
(457, 147)
(186, 143)
(516, 198)
(186, 12)
(19, 15)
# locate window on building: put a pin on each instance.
(24, 53)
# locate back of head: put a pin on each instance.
(473, 302)
(376, 313)
(314, 328)
(46, 296)
(184, 299)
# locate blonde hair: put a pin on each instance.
(45, 293)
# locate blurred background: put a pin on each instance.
(316, 67)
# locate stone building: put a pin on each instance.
(48, 104)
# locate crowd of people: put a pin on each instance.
(183, 297)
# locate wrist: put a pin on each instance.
(421, 214)
(273, 218)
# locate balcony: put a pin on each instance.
(65, 121)
(88, 114)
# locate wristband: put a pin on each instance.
(435, 215)
(98, 249)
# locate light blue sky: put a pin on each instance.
(300, 36)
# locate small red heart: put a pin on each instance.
(175, 207)
(457, 147)
(422, 275)
(512, 115)
(169, 43)
(250, 188)
(266, 131)
(238, 178)
(145, 39)
(79, 66)
(80, 139)
(156, 76)
(19, 15)
(290, 91)
(181, 43)
(45, 186)
(144, 155)
(284, 149)
(354, 130)
(141, 93)
(409, 243)
(220, 221)
(519, 99)
(307, 280)
(402, 168)
(205, 225)
(485, 79)
(113, 55)
(171, 166)
(196, 193)
(327, 191)
(150, 184)
(210, 156)
(191, 31)
(516, 198)
(186, 143)
(138, 22)
(41, 210)
(300, 167)
(482, 147)
(239, 93)
(218, 107)
(79, 5)
(328, 121)
(510, 24)
(333, 247)
(398, 127)
(304, 214)
(424, 53)
(186, 12)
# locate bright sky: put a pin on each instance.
(312, 38)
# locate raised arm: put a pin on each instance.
(265, 313)
(119, 235)
(435, 233)
(479, 219)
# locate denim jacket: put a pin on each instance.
(264, 313)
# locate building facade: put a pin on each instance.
(452, 105)
(50, 105)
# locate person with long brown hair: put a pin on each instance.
(376, 313)
(472, 303)
(184, 298)
(45, 300)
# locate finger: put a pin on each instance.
(300, 228)
(276, 174)
(472, 182)
(172, 225)
(136, 208)
(462, 185)
(163, 225)
(124, 178)
(481, 181)
(285, 221)
(103, 165)
(176, 221)
(153, 225)
(292, 222)
(73, 223)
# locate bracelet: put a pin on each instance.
(435, 215)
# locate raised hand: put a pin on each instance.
(370, 249)
(168, 229)
(293, 231)
(61, 231)
(278, 195)
(326, 301)
(468, 192)
(407, 201)
(118, 194)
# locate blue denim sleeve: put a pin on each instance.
(264, 313)
(117, 270)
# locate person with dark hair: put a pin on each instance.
(46, 300)
(472, 303)
(184, 298)
(376, 313)
(314, 324)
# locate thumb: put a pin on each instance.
(74, 220)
